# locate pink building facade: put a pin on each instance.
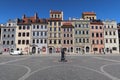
(97, 37)
(67, 30)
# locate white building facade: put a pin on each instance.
(39, 37)
(111, 40)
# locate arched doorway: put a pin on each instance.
(71, 49)
(87, 49)
(33, 50)
(50, 50)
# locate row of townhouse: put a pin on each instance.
(41, 36)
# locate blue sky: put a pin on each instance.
(105, 9)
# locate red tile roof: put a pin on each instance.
(67, 24)
(89, 13)
(55, 12)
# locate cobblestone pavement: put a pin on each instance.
(49, 67)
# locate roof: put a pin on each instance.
(89, 13)
(55, 12)
(67, 25)
(31, 20)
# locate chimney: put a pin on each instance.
(23, 16)
(36, 15)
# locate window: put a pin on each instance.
(19, 41)
(27, 34)
(23, 41)
(71, 29)
(71, 41)
(83, 32)
(113, 33)
(19, 34)
(28, 27)
(86, 32)
(97, 42)
(4, 36)
(23, 27)
(79, 25)
(37, 40)
(96, 27)
(75, 32)
(50, 42)
(11, 42)
(33, 26)
(71, 35)
(92, 27)
(93, 42)
(54, 28)
(114, 48)
(79, 32)
(33, 40)
(20, 27)
(41, 26)
(41, 41)
(64, 29)
(41, 33)
(12, 35)
(7, 42)
(3, 42)
(100, 27)
(59, 23)
(45, 41)
(75, 25)
(23, 35)
(67, 41)
(59, 41)
(97, 35)
(110, 33)
(114, 40)
(64, 35)
(112, 26)
(87, 40)
(33, 33)
(68, 29)
(50, 23)
(100, 34)
(95, 49)
(45, 33)
(54, 23)
(92, 34)
(45, 26)
(59, 29)
(106, 33)
(101, 41)
(37, 26)
(55, 42)
(12, 29)
(106, 40)
(27, 41)
(67, 35)
(8, 29)
(64, 41)
(8, 36)
(83, 40)
(37, 33)
(4, 30)
(50, 28)
(79, 40)
(55, 35)
(110, 40)
(76, 40)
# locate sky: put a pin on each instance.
(105, 9)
